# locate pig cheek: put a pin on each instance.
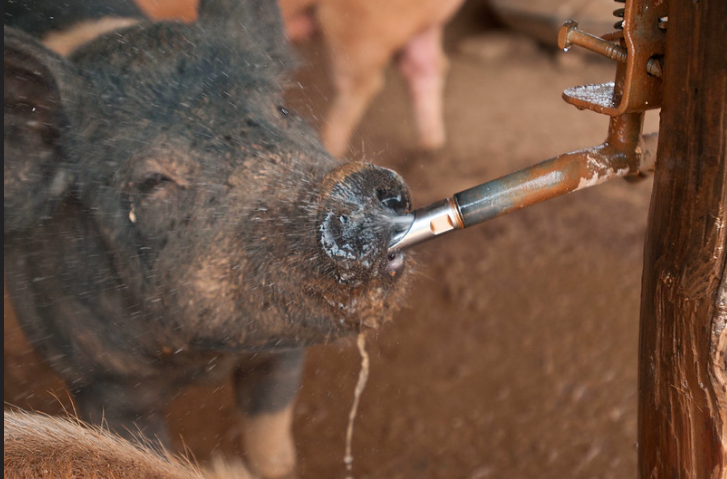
(207, 295)
(163, 241)
(156, 216)
(201, 282)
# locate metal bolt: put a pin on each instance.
(569, 35)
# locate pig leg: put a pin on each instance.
(358, 60)
(424, 67)
(125, 408)
(299, 19)
(265, 387)
(301, 26)
(355, 84)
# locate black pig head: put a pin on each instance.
(162, 205)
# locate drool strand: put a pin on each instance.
(363, 376)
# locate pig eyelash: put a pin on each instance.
(153, 181)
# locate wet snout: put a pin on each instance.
(361, 207)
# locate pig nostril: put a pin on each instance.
(393, 200)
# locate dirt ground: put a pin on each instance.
(516, 354)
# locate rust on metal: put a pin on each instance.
(639, 53)
(624, 153)
(620, 155)
(570, 35)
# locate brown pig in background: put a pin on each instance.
(362, 38)
(168, 220)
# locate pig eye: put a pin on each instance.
(285, 112)
(153, 182)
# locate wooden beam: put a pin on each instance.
(683, 338)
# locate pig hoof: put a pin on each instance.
(269, 444)
(224, 468)
(432, 142)
(273, 464)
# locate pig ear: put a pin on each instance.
(258, 20)
(38, 88)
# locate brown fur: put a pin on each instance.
(37, 445)
(184, 10)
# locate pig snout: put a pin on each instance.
(360, 208)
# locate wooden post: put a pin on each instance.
(683, 339)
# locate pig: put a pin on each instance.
(362, 37)
(37, 445)
(169, 221)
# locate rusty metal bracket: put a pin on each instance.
(639, 50)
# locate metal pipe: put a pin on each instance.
(619, 156)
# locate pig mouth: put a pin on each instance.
(396, 263)
(360, 210)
